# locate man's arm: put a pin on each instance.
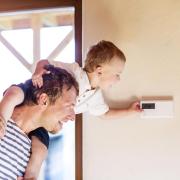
(12, 97)
(39, 153)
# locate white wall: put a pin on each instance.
(148, 31)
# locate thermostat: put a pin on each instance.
(157, 109)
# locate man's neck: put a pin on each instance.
(27, 118)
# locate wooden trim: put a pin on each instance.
(78, 31)
(36, 27)
(23, 21)
(78, 148)
(21, 5)
(78, 124)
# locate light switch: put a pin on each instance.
(157, 109)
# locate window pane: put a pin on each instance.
(54, 27)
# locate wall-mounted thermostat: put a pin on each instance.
(157, 108)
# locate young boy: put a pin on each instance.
(48, 107)
(103, 67)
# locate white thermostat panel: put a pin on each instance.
(157, 108)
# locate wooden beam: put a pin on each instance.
(36, 27)
(78, 31)
(65, 20)
(21, 5)
(78, 122)
(48, 20)
(20, 23)
(5, 26)
(15, 21)
(61, 46)
(15, 52)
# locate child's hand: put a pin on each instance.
(37, 79)
(135, 107)
(2, 127)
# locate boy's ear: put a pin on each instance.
(43, 99)
(99, 70)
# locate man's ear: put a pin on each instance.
(43, 99)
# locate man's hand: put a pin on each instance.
(3, 125)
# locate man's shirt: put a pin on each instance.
(15, 149)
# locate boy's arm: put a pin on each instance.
(12, 97)
(40, 70)
(119, 113)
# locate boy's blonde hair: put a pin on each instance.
(102, 53)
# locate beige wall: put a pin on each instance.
(148, 31)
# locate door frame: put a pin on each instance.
(21, 5)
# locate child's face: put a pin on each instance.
(110, 73)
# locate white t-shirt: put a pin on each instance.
(89, 100)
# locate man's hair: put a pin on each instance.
(102, 53)
(53, 85)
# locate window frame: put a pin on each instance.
(21, 5)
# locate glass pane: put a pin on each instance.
(11, 70)
(18, 31)
(56, 35)
(66, 57)
(22, 40)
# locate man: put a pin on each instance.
(48, 107)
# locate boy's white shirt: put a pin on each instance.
(89, 100)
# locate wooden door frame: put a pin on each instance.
(22, 5)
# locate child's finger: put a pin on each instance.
(37, 82)
(34, 81)
(37, 79)
(137, 103)
(40, 82)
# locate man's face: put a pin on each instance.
(62, 111)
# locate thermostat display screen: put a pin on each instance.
(148, 105)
